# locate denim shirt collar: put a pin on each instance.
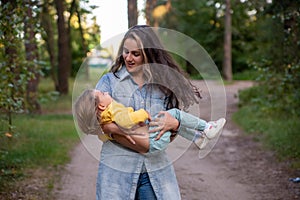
(123, 73)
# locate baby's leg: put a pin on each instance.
(187, 120)
(191, 127)
(196, 129)
(161, 144)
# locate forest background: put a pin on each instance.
(44, 43)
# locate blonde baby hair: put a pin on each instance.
(85, 113)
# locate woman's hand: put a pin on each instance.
(163, 123)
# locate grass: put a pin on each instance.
(38, 142)
(51, 101)
(246, 75)
(277, 131)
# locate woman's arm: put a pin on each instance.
(138, 142)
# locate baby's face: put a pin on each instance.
(104, 98)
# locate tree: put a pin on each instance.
(31, 57)
(227, 68)
(20, 63)
(132, 12)
(14, 73)
(200, 21)
(150, 4)
(278, 59)
(48, 37)
(64, 52)
(77, 33)
(204, 21)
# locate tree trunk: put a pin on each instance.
(150, 4)
(49, 38)
(83, 42)
(132, 13)
(64, 53)
(31, 56)
(227, 63)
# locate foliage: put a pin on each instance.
(13, 65)
(268, 125)
(85, 37)
(204, 22)
(84, 34)
(278, 92)
(92, 39)
(15, 71)
(265, 41)
(271, 109)
(279, 62)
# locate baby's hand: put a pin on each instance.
(142, 124)
(149, 117)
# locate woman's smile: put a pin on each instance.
(132, 56)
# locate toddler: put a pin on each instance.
(94, 102)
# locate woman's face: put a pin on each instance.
(133, 57)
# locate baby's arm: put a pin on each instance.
(128, 118)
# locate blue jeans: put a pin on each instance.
(144, 189)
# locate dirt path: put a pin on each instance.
(238, 168)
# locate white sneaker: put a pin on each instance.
(201, 142)
(214, 128)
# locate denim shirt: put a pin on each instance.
(120, 167)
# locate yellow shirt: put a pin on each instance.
(123, 116)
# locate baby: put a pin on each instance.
(93, 103)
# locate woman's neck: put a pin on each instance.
(138, 78)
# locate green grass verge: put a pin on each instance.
(41, 141)
(278, 132)
(38, 142)
(51, 101)
(246, 75)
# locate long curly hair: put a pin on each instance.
(160, 68)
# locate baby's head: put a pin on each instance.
(103, 100)
(87, 108)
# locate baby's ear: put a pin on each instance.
(101, 107)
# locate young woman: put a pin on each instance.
(144, 75)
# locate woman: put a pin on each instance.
(144, 76)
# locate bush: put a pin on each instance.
(268, 120)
